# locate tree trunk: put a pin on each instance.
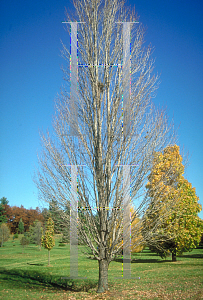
(103, 276)
(48, 257)
(174, 256)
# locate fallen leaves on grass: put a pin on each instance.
(138, 295)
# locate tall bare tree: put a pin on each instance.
(110, 134)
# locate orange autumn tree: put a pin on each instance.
(166, 184)
(15, 213)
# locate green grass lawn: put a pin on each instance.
(27, 276)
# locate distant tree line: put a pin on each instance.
(183, 218)
(30, 221)
(12, 215)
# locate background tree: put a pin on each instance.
(83, 219)
(31, 234)
(4, 233)
(108, 134)
(3, 202)
(47, 239)
(183, 220)
(35, 233)
(66, 223)
(24, 242)
(32, 215)
(45, 213)
(137, 242)
(56, 214)
(21, 226)
(15, 213)
(61, 218)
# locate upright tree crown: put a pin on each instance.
(21, 226)
(168, 185)
(115, 124)
(3, 217)
(47, 239)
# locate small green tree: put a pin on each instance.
(4, 233)
(37, 233)
(24, 242)
(47, 239)
(21, 226)
(15, 236)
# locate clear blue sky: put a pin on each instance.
(30, 78)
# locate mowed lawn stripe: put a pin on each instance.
(160, 279)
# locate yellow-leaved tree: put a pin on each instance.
(47, 239)
(137, 244)
(167, 183)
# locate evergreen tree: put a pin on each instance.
(56, 216)
(45, 213)
(30, 234)
(4, 201)
(21, 226)
(3, 218)
(61, 218)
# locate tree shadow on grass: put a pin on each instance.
(143, 261)
(40, 265)
(191, 256)
(149, 254)
(16, 282)
(35, 248)
(38, 278)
